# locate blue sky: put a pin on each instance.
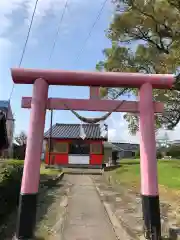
(15, 16)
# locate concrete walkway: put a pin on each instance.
(86, 217)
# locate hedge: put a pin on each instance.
(10, 182)
(174, 151)
(158, 154)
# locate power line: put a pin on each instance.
(58, 30)
(92, 28)
(25, 44)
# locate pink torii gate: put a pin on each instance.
(41, 79)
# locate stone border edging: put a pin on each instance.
(121, 231)
(44, 184)
(117, 227)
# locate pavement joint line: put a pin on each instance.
(117, 226)
(59, 225)
(107, 213)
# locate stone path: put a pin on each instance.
(86, 217)
(75, 211)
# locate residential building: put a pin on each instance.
(175, 142)
(6, 109)
(125, 150)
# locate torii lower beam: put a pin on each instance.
(92, 105)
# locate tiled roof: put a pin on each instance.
(174, 142)
(72, 131)
(4, 104)
(127, 146)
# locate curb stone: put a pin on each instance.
(118, 227)
(59, 226)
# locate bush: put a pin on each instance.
(19, 151)
(158, 154)
(10, 182)
(137, 154)
(15, 162)
(174, 152)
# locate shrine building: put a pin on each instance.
(70, 148)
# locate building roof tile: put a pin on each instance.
(72, 131)
(126, 146)
(4, 104)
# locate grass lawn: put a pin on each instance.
(129, 173)
(49, 171)
(43, 170)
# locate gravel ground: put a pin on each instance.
(126, 205)
(51, 210)
(48, 208)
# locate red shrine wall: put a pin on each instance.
(63, 151)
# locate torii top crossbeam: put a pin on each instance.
(80, 78)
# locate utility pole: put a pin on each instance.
(50, 138)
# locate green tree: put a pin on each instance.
(137, 154)
(145, 38)
(21, 139)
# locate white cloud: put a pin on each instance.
(9, 26)
(112, 134)
(5, 49)
(172, 135)
(7, 8)
(118, 131)
(4, 44)
(43, 8)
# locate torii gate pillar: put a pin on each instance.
(149, 182)
(31, 174)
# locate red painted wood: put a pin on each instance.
(92, 105)
(96, 79)
(96, 159)
(62, 159)
(59, 158)
(94, 92)
(46, 158)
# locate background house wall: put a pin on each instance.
(126, 154)
(107, 152)
(10, 125)
(10, 131)
(126, 150)
(116, 151)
